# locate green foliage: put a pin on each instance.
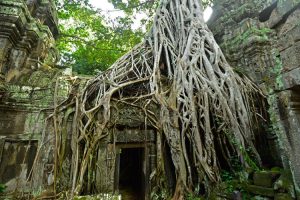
(193, 197)
(231, 182)
(90, 41)
(261, 34)
(226, 176)
(37, 192)
(2, 188)
(133, 6)
(159, 194)
(159, 191)
(148, 6)
(277, 71)
(247, 153)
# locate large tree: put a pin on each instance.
(207, 111)
(90, 40)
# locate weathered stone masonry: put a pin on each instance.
(262, 40)
(27, 52)
(27, 88)
(259, 38)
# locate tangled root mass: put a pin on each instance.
(206, 111)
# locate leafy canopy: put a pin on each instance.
(90, 41)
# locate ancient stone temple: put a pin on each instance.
(27, 54)
(136, 154)
(261, 39)
(126, 159)
(28, 85)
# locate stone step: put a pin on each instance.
(265, 178)
(283, 196)
(258, 190)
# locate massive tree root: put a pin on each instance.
(206, 110)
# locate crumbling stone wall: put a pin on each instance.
(27, 32)
(27, 80)
(261, 39)
(126, 129)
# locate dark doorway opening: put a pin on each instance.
(132, 175)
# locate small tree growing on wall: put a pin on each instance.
(206, 111)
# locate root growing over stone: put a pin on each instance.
(205, 109)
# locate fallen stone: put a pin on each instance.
(284, 184)
(265, 179)
(237, 195)
(258, 190)
(291, 78)
(283, 196)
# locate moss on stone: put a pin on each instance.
(260, 35)
(99, 197)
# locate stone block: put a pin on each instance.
(16, 160)
(286, 6)
(290, 23)
(258, 190)
(283, 196)
(134, 135)
(12, 122)
(285, 183)
(291, 78)
(291, 57)
(23, 38)
(289, 38)
(265, 179)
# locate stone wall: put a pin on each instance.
(27, 31)
(27, 80)
(261, 39)
(28, 85)
(22, 120)
(126, 130)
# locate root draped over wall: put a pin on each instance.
(206, 110)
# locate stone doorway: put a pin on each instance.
(131, 174)
(132, 171)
